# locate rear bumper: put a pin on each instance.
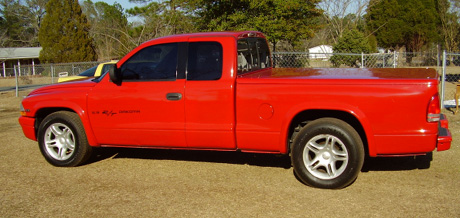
(444, 136)
(28, 127)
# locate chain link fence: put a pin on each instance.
(448, 64)
(33, 76)
(341, 60)
(450, 68)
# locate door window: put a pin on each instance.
(157, 63)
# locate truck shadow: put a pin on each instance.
(241, 158)
(397, 163)
(228, 157)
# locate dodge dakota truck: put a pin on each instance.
(220, 91)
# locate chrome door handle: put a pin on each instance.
(174, 96)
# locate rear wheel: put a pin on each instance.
(327, 153)
(62, 139)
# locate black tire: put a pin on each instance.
(334, 157)
(62, 139)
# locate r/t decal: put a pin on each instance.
(108, 113)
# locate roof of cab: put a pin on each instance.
(235, 34)
(187, 36)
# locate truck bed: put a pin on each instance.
(345, 73)
(390, 104)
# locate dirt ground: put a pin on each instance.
(163, 183)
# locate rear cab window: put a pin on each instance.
(204, 61)
(253, 54)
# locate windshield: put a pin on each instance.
(89, 72)
(105, 70)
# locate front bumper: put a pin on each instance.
(444, 136)
(28, 127)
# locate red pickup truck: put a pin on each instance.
(219, 91)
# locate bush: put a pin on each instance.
(352, 41)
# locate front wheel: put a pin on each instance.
(327, 153)
(62, 139)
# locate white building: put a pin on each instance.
(10, 57)
(320, 52)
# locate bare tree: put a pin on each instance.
(158, 18)
(36, 12)
(340, 15)
(449, 16)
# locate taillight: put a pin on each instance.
(433, 113)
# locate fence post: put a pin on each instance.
(4, 69)
(17, 81)
(19, 68)
(383, 65)
(437, 57)
(33, 67)
(362, 59)
(52, 74)
(443, 81)
(394, 59)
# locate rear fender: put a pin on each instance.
(328, 106)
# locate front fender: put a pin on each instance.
(70, 106)
(41, 104)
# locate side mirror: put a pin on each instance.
(115, 74)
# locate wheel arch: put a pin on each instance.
(303, 117)
(45, 111)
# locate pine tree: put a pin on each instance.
(352, 41)
(280, 20)
(64, 34)
(403, 23)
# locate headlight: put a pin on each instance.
(23, 111)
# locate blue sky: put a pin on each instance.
(124, 3)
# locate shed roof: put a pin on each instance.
(19, 53)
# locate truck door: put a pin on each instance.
(209, 93)
(147, 109)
